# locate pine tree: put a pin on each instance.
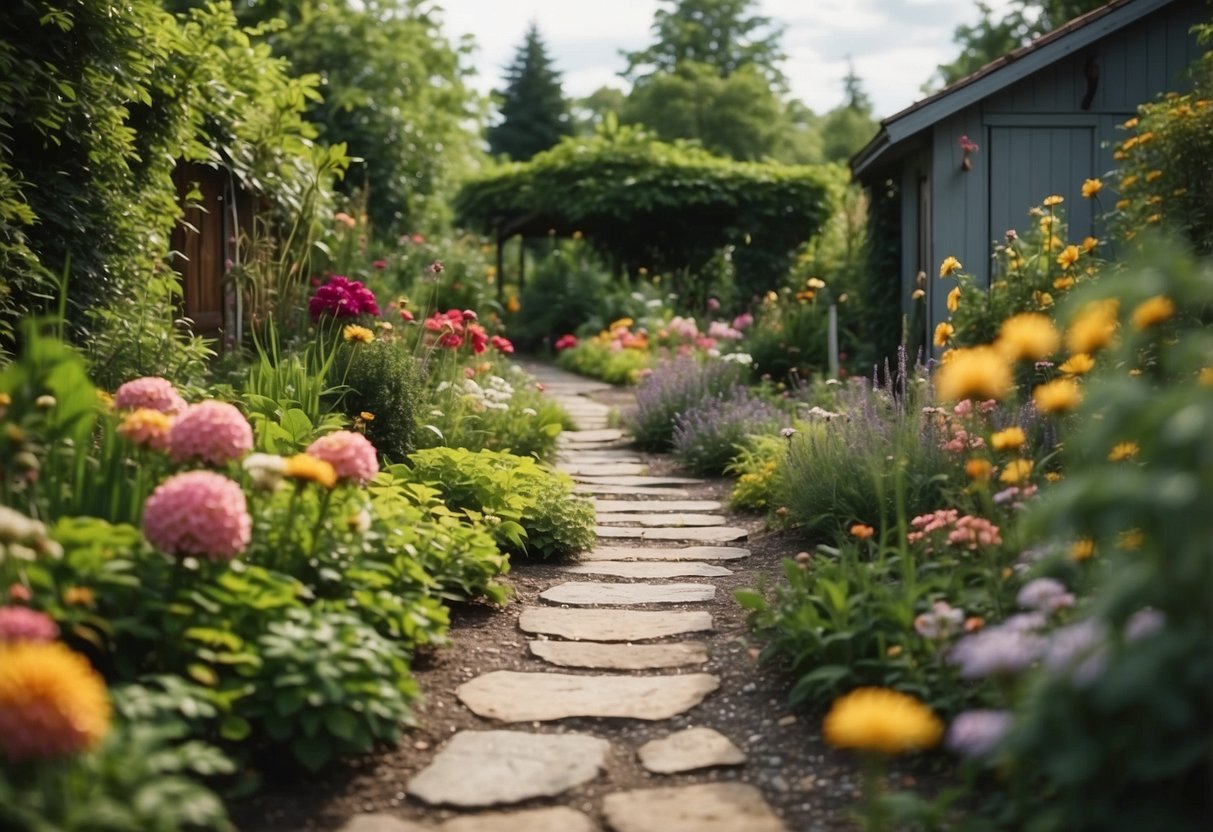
(534, 113)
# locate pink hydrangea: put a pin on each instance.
(351, 455)
(24, 624)
(198, 513)
(341, 297)
(213, 431)
(151, 392)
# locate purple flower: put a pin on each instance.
(1144, 623)
(1045, 595)
(977, 733)
(1080, 649)
(997, 651)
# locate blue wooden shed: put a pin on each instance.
(1043, 120)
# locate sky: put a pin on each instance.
(895, 45)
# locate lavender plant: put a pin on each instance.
(675, 388)
(710, 434)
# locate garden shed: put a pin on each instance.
(950, 174)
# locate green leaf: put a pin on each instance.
(234, 728)
(311, 752)
(342, 724)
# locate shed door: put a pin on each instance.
(1028, 164)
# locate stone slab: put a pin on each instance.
(637, 480)
(619, 656)
(708, 807)
(651, 491)
(592, 436)
(688, 750)
(648, 569)
(586, 456)
(716, 534)
(592, 593)
(644, 553)
(612, 625)
(669, 520)
(602, 469)
(510, 696)
(645, 506)
(552, 819)
(380, 822)
(489, 768)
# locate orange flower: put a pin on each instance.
(1011, 439)
(862, 531)
(1016, 471)
(1122, 451)
(1094, 326)
(1077, 364)
(943, 334)
(978, 468)
(949, 265)
(79, 596)
(1068, 257)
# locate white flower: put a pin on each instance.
(265, 470)
(530, 411)
(743, 358)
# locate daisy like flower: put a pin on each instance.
(146, 427)
(880, 719)
(52, 702)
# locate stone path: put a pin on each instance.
(609, 643)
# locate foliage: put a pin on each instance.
(755, 465)
(673, 388)
(384, 392)
(790, 336)
(534, 114)
(591, 357)
(710, 433)
(567, 288)
(530, 509)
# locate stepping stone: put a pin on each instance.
(553, 819)
(642, 481)
(619, 656)
(488, 768)
(379, 822)
(590, 593)
(709, 807)
(592, 436)
(593, 488)
(540, 697)
(678, 520)
(643, 569)
(718, 534)
(688, 750)
(579, 455)
(602, 469)
(612, 625)
(622, 506)
(639, 553)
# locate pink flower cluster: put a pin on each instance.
(351, 455)
(723, 332)
(962, 440)
(566, 341)
(24, 624)
(743, 321)
(968, 532)
(151, 392)
(341, 297)
(213, 431)
(933, 522)
(198, 513)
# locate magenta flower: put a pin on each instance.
(198, 513)
(351, 455)
(213, 431)
(341, 297)
(24, 624)
(151, 392)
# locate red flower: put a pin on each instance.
(406, 315)
(502, 345)
(565, 342)
(379, 264)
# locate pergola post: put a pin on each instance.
(500, 267)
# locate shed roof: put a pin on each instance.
(997, 75)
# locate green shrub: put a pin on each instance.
(384, 382)
(596, 360)
(755, 465)
(566, 290)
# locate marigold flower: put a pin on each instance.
(23, 624)
(1091, 187)
(146, 427)
(1062, 283)
(1043, 299)
(198, 513)
(1016, 471)
(351, 455)
(976, 373)
(52, 702)
(978, 468)
(1128, 182)
(1027, 336)
(880, 719)
(1077, 365)
(1058, 396)
(1122, 451)
(212, 431)
(862, 531)
(1094, 326)
(943, 333)
(954, 299)
(949, 265)
(151, 392)
(1068, 257)
(1011, 439)
(1152, 312)
(308, 468)
(353, 332)
(1083, 549)
(1055, 199)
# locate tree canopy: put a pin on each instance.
(534, 113)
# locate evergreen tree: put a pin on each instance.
(534, 113)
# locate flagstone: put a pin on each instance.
(612, 625)
(551, 819)
(621, 506)
(688, 750)
(675, 520)
(650, 491)
(619, 656)
(380, 822)
(644, 553)
(592, 436)
(590, 593)
(602, 469)
(511, 696)
(646, 569)
(707, 807)
(717, 534)
(488, 768)
(610, 455)
(636, 480)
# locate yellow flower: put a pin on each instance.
(1055, 199)
(1122, 204)
(1028, 336)
(862, 531)
(954, 299)
(976, 373)
(1152, 312)
(308, 468)
(1083, 549)
(361, 334)
(1053, 476)
(1154, 219)
(513, 304)
(1153, 175)
(1091, 187)
(52, 702)
(1011, 439)
(79, 596)
(1058, 396)
(1148, 136)
(622, 323)
(1016, 471)
(1131, 123)
(978, 468)
(815, 283)
(1128, 182)
(366, 416)
(1131, 540)
(1077, 364)
(1094, 326)
(1122, 451)
(1043, 299)
(1048, 221)
(1068, 256)
(1089, 244)
(949, 265)
(880, 719)
(146, 427)
(1205, 377)
(1063, 283)
(943, 334)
